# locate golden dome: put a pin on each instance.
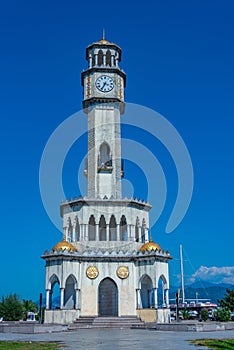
(104, 41)
(64, 245)
(149, 246)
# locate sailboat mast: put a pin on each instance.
(182, 272)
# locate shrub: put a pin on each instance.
(11, 308)
(222, 314)
(204, 315)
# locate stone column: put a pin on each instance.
(74, 233)
(132, 232)
(156, 298)
(81, 232)
(139, 303)
(48, 295)
(112, 60)
(61, 298)
(118, 231)
(167, 297)
(129, 232)
(96, 59)
(107, 232)
(90, 61)
(104, 59)
(97, 232)
(139, 234)
(86, 232)
(77, 299)
(146, 234)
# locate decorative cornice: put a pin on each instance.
(97, 100)
(84, 201)
(108, 255)
(99, 69)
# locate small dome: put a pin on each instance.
(149, 246)
(64, 245)
(104, 41)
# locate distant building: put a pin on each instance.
(106, 265)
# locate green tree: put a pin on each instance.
(11, 308)
(28, 305)
(204, 315)
(185, 314)
(228, 300)
(222, 314)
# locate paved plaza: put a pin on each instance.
(116, 339)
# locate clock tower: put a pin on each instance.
(103, 84)
(105, 265)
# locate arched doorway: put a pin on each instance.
(146, 292)
(70, 293)
(54, 297)
(107, 298)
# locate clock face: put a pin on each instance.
(104, 83)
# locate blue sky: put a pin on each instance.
(178, 57)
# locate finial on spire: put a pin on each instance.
(151, 239)
(103, 34)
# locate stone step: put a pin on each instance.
(107, 322)
(86, 320)
(116, 319)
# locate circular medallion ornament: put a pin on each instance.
(92, 272)
(123, 272)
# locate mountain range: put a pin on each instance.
(203, 290)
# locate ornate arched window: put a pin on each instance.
(104, 158)
(113, 229)
(69, 231)
(102, 229)
(123, 229)
(92, 229)
(100, 58)
(137, 229)
(77, 230)
(143, 229)
(108, 58)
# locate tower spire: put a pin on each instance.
(103, 34)
(151, 239)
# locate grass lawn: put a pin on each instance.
(5, 345)
(215, 344)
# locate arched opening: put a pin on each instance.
(54, 302)
(104, 157)
(143, 228)
(100, 58)
(77, 230)
(162, 287)
(137, 230)
(70, 293)
(102, 229)
(107, 298)
(113, 229)
(69, 231)
(93, 60)
(146, 292)
(92, 229)
(123, 229)
(108, 58)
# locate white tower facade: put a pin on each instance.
(105, 265)
(104, 84)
